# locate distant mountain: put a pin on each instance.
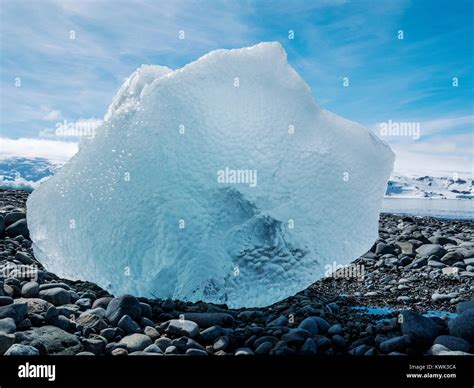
(411, 186)
(26, 173)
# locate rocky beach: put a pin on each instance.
(412, 293)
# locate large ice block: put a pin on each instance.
(221, 181)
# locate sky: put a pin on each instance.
(384, 64)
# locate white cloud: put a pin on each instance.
(53, 115)
(56, 151)
(436, 155)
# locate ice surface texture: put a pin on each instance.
(140, 208)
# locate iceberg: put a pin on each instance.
(222, 181)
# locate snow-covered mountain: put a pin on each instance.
(413, 186)
(26, 173)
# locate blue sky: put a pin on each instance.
(402, 80)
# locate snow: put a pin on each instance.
(432, 187)
(144, 207)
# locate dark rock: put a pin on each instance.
(309, 347)
(30, 290)
(463, 326)
(427, 250)
(63, 323)
(17, 311)
(6, 340)
(95, 345)
(221, 344)
(7, 326)
(167, 305)
(123, 305)
(5, 300)
(163, 343)
(57, 296)
(13, 217)
(55, 340)
(296, 336)
(210, 334)
(48, 286)
(463, 306)
(264, 348)
(396, 344)
(110, 333)
(172, 350)
(267, 338)
(441, 240)
(128, 325)
(205, 320)
(335, 329)
(145, 310)
(24, 258)
(84, 303)
(452, 257)
(102, 302)
(280, 321)
(453, 343)
(153, 349)
(323, 343)
(422, 330)
(18, 228)
(310, 324)
(338, 341)
(196, 352)
(182, 327)
(383, 249)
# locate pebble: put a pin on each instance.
(123, 305)
(463, 326)
(205, 320)
(221, 344)
(453, 343)
(21, 350)
(309, 347)
(427, 250)
(264, 348)
(396, 344)
(182, 327)
(280, 321)
(135, 342)
(55, 340)
(153, 348)
(335, 329)
(244, 352)
(422, 330)
(30, 290)
(57, 296)
(128, 325)
(196, 352)
(163, 343)
(151, 332)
